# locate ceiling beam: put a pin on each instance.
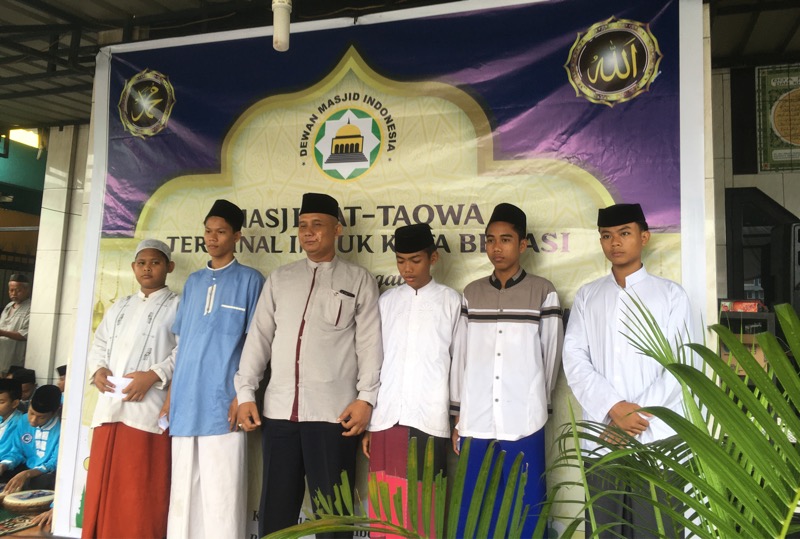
(774, 5)
(76, 89)
(32, 77)
(754, 60)
(46, 56)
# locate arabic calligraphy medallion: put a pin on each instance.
(146, 103)
(614, 61)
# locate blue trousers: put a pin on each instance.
(535, 491)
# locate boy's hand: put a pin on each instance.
(142, 382)
(248, 417)
(100, 380)
(44, 521)
(365, 441)
(355, 417)
(165, 408)
(232, 413)
(455, 437)
(628, 417)
(18, 481)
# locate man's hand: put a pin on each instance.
(142, 382)
(232, 414)
(248, 417)
(628, 417)
(100, 380)
(365, 441)
(355, 417)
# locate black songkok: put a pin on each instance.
(62, 370)
(320, 203)
(25, 376)
(12, 387)
(412, 238)
(508, 213)
(229, 211)
(14, 368)
(620, 214)
(46, 399)
(19, 278)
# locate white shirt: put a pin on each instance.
(136, 335)
(513, 352)
(423, 331)
(601, 365)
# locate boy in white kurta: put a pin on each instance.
(127, 488)
(610, 378)
(423, 333)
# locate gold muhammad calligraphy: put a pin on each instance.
(146, 102)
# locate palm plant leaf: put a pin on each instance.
(328, 517)
(733, 468)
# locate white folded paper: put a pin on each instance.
(120, 383)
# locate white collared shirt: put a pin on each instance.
(422, 331)
(513, 352)
(601, 365)
(136, 335)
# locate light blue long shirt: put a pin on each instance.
(36, 447)
(8, 429)
(212, 320)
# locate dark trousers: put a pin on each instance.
(625, 514)
(294, 452)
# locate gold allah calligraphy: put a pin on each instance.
(630, 67)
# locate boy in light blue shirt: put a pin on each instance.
(32, 460)
(10, 392)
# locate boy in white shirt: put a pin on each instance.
(610, 378)
(423, 333)
(128, 483)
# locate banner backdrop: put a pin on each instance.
(428, 115)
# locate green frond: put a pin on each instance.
(733, 468)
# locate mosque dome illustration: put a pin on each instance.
(347, 146)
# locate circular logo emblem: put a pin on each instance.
(26, 438)
(146, 103)
(614, 61)
(347, 144)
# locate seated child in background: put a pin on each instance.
(27, 379)
(12, 418)
(31, 463)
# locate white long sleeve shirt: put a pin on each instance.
(514, 338)
(423, 331)
(136, 335)
(601, 365)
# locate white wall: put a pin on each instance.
(59, 251)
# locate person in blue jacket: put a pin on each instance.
(10, 393)
(32, 459)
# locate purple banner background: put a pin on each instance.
(510, 59)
